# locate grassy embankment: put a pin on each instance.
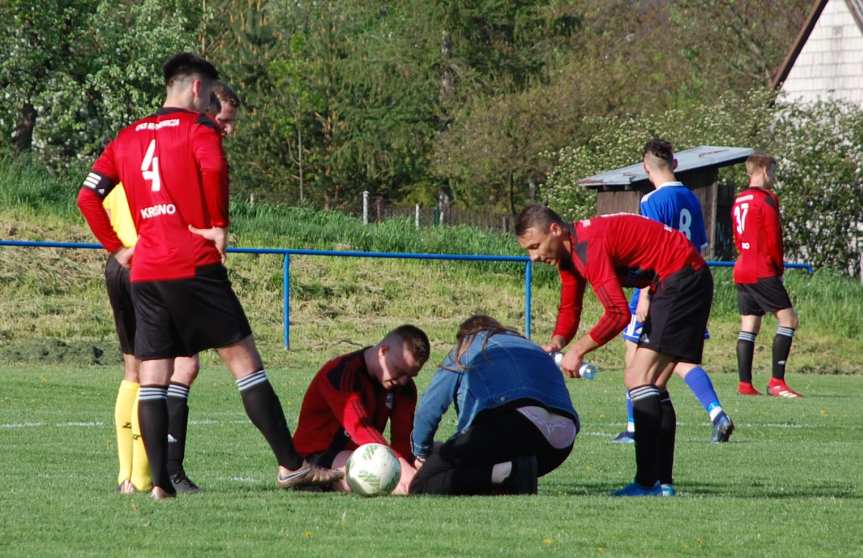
(54, 306)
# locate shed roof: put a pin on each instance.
(701, 157)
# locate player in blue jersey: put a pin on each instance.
(673, 204)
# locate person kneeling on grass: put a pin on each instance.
(353, 396)
(516, 421)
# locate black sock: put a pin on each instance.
(265, 411)
(745, 352)
(178, 424)
(153, 416)
(647, 414)
(667, 433)
(781, 348)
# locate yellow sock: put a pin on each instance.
(126, 397)
(141, 477)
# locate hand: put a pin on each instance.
(572, 361)
(408, 474)
(419, 462)
(217, 235)
(642, 308)
(124, 256)
(555, 345)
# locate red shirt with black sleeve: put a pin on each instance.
(345, 404)
(173, 169)
(611, 252)
(758, 235)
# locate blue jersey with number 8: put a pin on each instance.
(675, 205)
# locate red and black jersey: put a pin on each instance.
(345, 401)
(757, 235)
(174, 173)
(611, 252)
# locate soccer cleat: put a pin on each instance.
(183, 484)
(126, 487)
(625, 437)
(635, 489)
(781, 389)
(722, 429)
(746, 388)
(665, 489)
(308, 475)
(523, 477)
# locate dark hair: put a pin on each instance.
(538, 217)
(471, 327)
(660, 149)
(226, 95)
(186, 64)
(415, 339)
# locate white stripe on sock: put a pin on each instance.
(251, 380)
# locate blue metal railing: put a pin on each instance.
(286, 253)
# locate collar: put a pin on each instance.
(669, 184)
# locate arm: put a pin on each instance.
(435, 402)
(402, 421)
(97, 185)
(207, 146)
(348, 409)
(569, 310)
(773, 233)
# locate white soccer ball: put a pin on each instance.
(373, 469)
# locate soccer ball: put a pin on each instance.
(373, 469)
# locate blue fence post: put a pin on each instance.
(286, 301)
(528, 279)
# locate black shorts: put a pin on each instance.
(765, 295)
(182, 317)
(678, 315)
(120, 295)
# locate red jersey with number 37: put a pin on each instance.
(611, 252)
(757, 235)
(173, 170)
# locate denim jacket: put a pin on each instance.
(509, 369)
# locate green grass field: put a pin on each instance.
(788, 483)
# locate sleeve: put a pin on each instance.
(348, 409)
(437, 398)
(610, 294)
(210, 157)
(569, 310)
(773, 233)
(96, 186)
(402, 421)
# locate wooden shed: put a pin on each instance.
(620, 190)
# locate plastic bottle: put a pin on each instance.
(587, 370)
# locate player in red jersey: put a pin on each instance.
(175, 178)
(353, 396)
(611, 252)
(758, 276)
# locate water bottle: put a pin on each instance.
(587, 370)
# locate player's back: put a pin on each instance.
(675, 205)
(161, 160)
(757, 236)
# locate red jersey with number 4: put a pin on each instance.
(345, 403)
(757, 235)
(611, 252)
(173, 170)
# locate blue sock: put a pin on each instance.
(630, 418)
(700, 384)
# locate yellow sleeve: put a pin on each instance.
(121, 218)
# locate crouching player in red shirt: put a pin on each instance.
(353, 396)
(611, 252)
(758, 276)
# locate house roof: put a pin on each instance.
(854, 6)
(697, 158)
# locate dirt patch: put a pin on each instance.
(57, 351)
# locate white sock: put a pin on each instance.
(500, 472)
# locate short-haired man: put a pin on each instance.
(175, 176)
(758, 273)
(611, 252)
(229, 106)
(672, 203)
(353, 396)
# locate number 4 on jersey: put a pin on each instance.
(150, 167)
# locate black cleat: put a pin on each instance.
(722, 429)
(183, 484)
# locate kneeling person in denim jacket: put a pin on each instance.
(516, 421)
